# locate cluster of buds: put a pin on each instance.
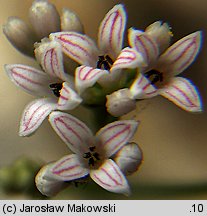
(75, 71)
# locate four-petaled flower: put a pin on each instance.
(100, 64)
(159, 76)
(52, 83)
(92, 154)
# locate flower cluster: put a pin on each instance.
(106, 75)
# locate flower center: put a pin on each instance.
(56, 88)
(104, 62)
(91, 156)
(154, 76)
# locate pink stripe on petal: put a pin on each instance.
(68, 168)
(113, 136)
(68, 99)
(142, 88)
(29, 79)
(71, 130)
(78, 47)
(111, 31)
(87, 76)
(181, 54)
(110, 178)
(144, 45)
(34, 114)
(184, 94)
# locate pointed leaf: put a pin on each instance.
(181, 54)
(128, 58)
(115, 135)
(34, 114)
(29, 79)
(87, 76)
(109, 177)
(184, 94)
(72, 131)
(68, 99)
(78, 47)
(142, 88)
(111, 31)
(68, 168)
(145, 45)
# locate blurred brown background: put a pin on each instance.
(174, 142)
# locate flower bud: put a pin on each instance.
(129, 158)
(120, 102)
(44, 18)
(161, 33)
(20, 35)
(70, 21)
(46, 184)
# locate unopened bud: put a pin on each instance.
(44, 18)
(70, 21)
(20, 35)
(129, 158)
(46, 184)
(120, 102)
(161, 33)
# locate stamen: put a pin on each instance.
(104, 62)
(154, 76)
(56, 88)
(91, 156)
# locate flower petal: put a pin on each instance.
(52, 59)
(70, 21)
(44, 18)
(34, 114)
(78, 47)
(110, 177)
(184, 94)
(181, 54)
(29, 79)
(128, 58)
(68, 168)
(145, 45)
(115, 135)
(142, 88)
(72, 131)
(111, 31)
(86, 77)
(68, 99)
(46, 183)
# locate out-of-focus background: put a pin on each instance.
(174, 142)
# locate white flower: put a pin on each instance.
(100, 64)
(159, 76)
(92, 154)
(52, 84)
(44, 19)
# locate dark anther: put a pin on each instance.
(91, 156)
(154, 76)
(91, 162)
(104, 61)
(96, 156)
(87, 155)
(92, 148)
(56, 88)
